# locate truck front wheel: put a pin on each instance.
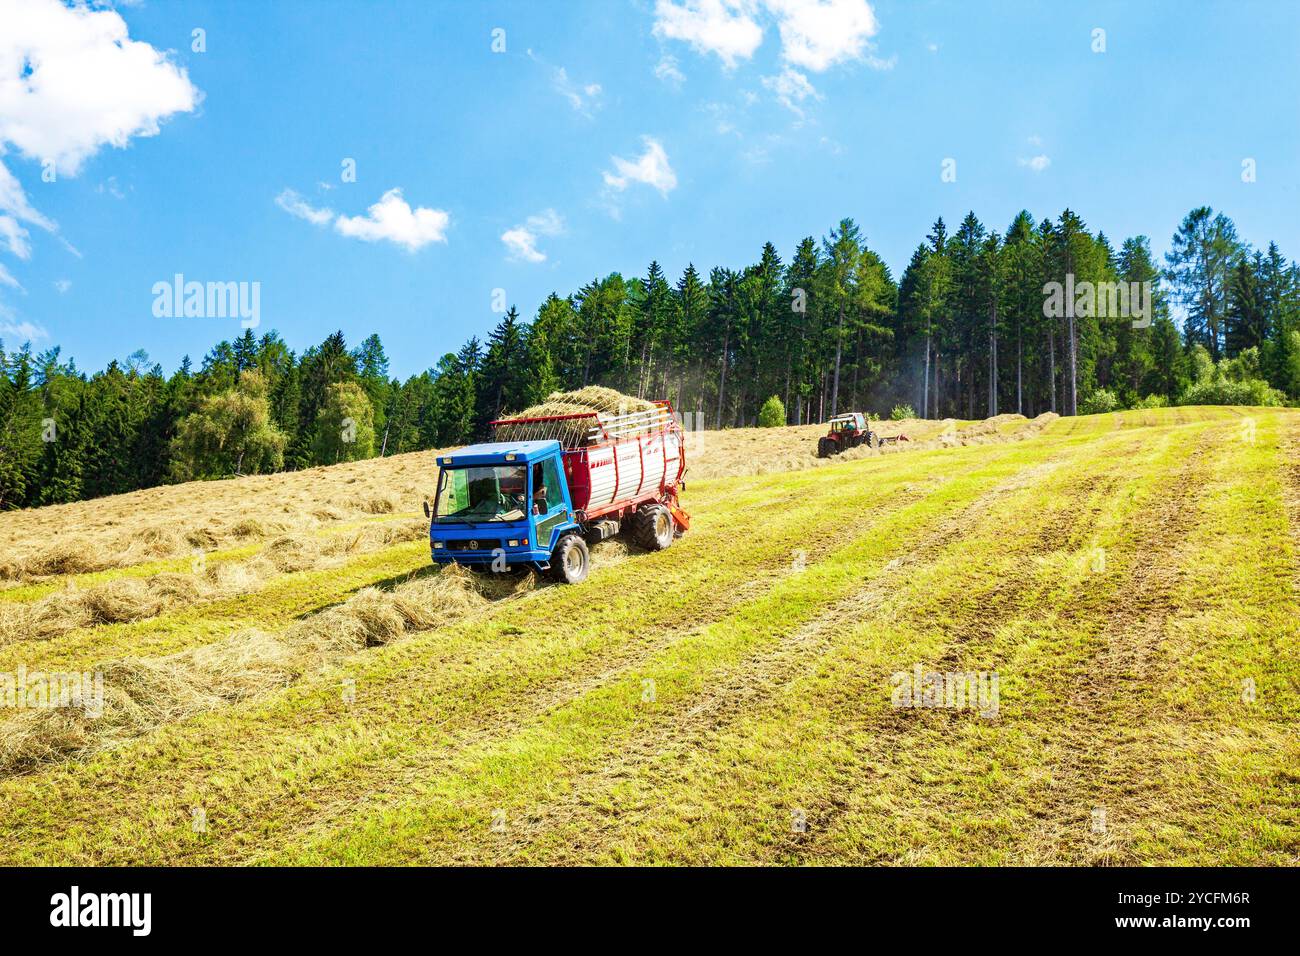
(652, 527)
(570, 561)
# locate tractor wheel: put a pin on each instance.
(823, 448)
(570, 561)
(653, 528)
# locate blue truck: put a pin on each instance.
(538, 502)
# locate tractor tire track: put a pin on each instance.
(1289, 453)
(1126, 661)
(1114, 740)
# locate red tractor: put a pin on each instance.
(849, 431)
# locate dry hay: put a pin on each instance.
(140, 695)
(372, 616)
(382, 505)
(114, 602)
(108, 533)
(132, 599)
(597, 398)
(143, 694)
(583, 401)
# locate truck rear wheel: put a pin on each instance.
(652, 527)
(570, 561)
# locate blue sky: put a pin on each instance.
(608, 133)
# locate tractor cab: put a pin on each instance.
(853, 422)
(846, 431)
(500, 504)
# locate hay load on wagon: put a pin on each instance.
(580, 467)
(571, 417)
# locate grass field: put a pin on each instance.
(288, 681)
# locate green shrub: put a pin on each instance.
(1153, 401)
(902, 411)
(1220, 391)
(772, 414)
(1243, 368)
(1200, 364)
(1099, 402)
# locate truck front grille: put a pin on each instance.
(473, 544)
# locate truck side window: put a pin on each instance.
(547, 493)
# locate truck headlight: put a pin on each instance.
(437, 544)
(513, 544)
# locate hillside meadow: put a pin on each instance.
(287, 679)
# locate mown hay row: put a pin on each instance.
(133, 599)
(173, 521)
(141, 694)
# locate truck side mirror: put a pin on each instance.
(426, 509)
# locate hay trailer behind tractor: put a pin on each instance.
(549, 484)
(849, 431)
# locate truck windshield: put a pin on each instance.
(480, 493)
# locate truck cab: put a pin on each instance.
(501, 505)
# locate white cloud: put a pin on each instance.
(15, 210)
(62, 285)
(111, 187)
(522, 245)
(791, 88)
(667, 71)
(651, 167)
(582, 97)
(817, 34)
(16, 331)
(14, 237)
(72, 80)
(14, 201)
(1036, 163)
(292, 203)
(724, 27)
(522, 240)
(393, 219)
